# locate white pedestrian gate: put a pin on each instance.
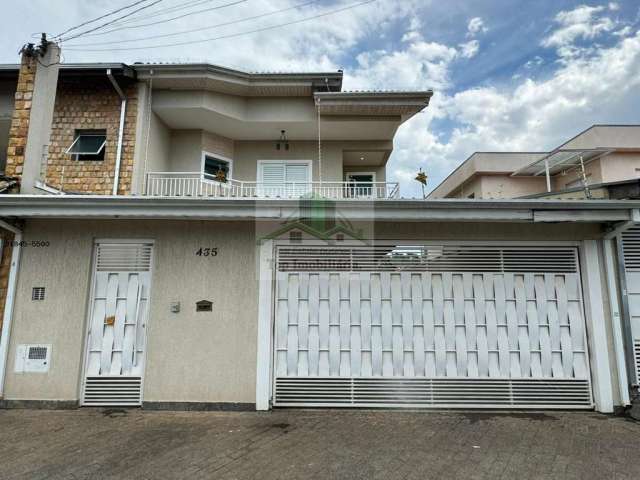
(631, 265)
(115, 349)
(430, 326)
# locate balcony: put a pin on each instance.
(195, 184)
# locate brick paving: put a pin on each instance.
(316, 444)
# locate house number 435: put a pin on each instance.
(207, 252)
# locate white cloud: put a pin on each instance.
(534, 115)
(583, 22)
(613, 6)
(475, 26)
(469, 49)
(534, 62)
(419, 65)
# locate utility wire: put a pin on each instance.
(233, 35)
(100, 17)
(167, 20)
(109, 22)
(157, 13)
(208, 27)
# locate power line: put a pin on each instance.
(100, 17)
(109, 22)
(175, 18)
(157, 13)
(233, 35)
(208, 27)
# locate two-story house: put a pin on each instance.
(190, 236)
(603, 161)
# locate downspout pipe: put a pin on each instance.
(9, 302)
(123, 110)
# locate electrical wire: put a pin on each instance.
(221, 37)
(157, 13)
(100, 17)
(208, 27)
(174, 18)
(64, 39)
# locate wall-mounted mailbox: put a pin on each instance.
(204, 306)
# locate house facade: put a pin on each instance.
(189, 236)
(601, 162)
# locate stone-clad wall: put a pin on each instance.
(20, 119)
(85, 104)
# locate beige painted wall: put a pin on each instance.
(505, 186)
(471, 187)
(380, 171)
(190, 356)
(206, 357)
(620, 166)
(181, 151)
(159, 145)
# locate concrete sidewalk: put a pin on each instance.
(318, 444)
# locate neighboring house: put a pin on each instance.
(189, 236)
(604, 158)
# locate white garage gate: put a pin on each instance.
(430, 326)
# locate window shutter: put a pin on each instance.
(297, 172)
(273, 173)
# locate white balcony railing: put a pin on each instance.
(194, 184)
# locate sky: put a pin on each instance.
(506, 74)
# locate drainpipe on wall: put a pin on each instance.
(123, 109)
(8, 306)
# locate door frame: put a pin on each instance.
(88, 309)
(347, 174)
(265, 379)
(374, 192)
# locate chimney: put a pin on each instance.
(33, 112)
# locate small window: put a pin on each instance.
(37, 293)
(295, 236)
(88, 145)
(216, 168)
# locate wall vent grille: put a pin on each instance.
(631, 249)
(123, 257)
(432, 392)
(37, 293)
(112, 391)
(37, 353)
(636, 356)
(427, 258)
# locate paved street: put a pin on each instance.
(320, 444)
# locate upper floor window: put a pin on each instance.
(88, 145)
(216, 167)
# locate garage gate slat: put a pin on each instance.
(410, 332)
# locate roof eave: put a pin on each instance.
(445, 210)
(333, 79)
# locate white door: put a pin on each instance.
(114, 365)
(447, 326)
(631, 261)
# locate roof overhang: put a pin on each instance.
(402, 104)
(236, 82)
(448, 210)
(560, 160)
